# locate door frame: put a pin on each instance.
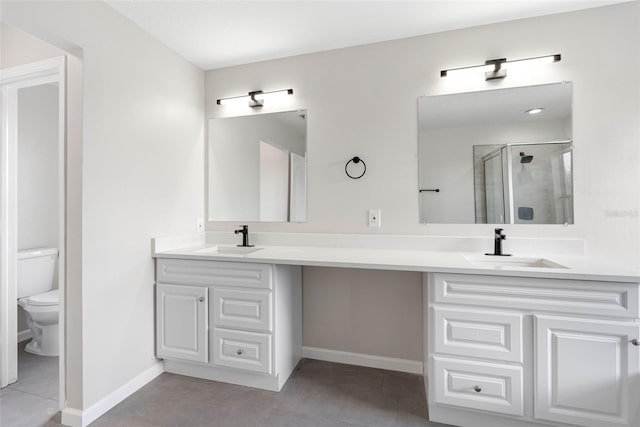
(11, 80)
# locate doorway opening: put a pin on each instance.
(32, 218)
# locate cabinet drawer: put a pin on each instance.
(248, 351)
(245, 274)
(478, 385)
(246, 309)
(491, 335)
(591, 298)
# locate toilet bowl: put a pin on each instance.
(38, 298)
(42, 319)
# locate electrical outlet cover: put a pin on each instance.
(374, 218)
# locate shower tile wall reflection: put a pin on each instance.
(523, 183)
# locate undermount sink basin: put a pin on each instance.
(229, 250)
(511, 262)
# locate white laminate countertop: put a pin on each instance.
(577, 267)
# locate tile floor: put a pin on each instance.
(33, 400)
(318, 394)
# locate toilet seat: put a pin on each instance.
(45, 299)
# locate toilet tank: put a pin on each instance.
(36, 271)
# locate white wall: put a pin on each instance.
(362, 101)
(19, 48)
(142, 176)
(38, 167)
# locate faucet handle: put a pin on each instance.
(500, 234)
(244, 229)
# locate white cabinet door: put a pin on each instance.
(587, 371)
(182, 322)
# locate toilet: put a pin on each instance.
(39, 299)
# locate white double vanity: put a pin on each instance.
(508, 342)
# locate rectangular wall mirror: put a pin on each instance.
(257, 168)
(497, 157)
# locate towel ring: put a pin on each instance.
(355, 160)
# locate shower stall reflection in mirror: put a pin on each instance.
(524, 183)
(13, 80)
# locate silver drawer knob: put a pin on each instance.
(477, 389)
(201, 299)
(239, 352)
(635, 342)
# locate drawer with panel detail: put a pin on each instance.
(591, 298)
(484, 334)
(214, 273)
(236, 322)
(242, 350)
(478, 385)
(242, 308)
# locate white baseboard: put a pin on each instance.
(78, 418)
(71, 417)
(388, 363)
(25, 335)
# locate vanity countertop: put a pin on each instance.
(575, 267)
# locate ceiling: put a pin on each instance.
(216, 33)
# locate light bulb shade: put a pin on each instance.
(276, 94)
(236, 100)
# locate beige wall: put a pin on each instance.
(363, 311)
(363, 101)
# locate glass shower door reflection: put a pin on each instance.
(541, 178)
(494, 188)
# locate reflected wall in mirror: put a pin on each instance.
(257, 168)
(493, 161)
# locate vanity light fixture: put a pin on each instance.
(537, 110)
(497, 68)
(255, 98)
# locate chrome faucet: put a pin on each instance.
(245, 236)
(498, 237)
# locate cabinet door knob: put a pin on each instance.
(477, 389)
(201, 299)
(239, 352)
(635, 342)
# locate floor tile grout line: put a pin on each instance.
(30, 394)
